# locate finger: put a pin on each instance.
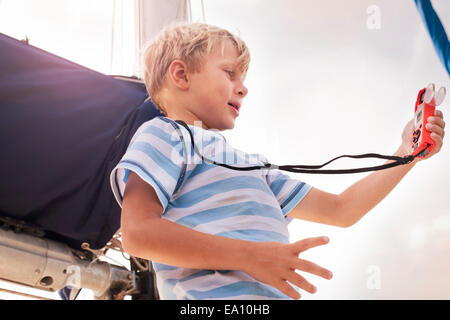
(439, 113)
(310, 267)
(309, 243)
(438, 141)
(437, 121)
(288, 290)
(435, 128)
(301, 282)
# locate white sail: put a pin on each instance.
(135, 24)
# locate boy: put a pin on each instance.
(213, 232)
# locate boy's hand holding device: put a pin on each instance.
(424, 133)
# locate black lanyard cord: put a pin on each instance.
(314, 169)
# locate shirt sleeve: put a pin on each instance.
(288, 191)
(155, 154)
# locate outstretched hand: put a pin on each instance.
(275, 263)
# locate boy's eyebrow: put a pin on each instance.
(229, 62)
(233, 65)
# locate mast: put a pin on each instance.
(151, 16)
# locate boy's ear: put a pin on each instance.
(178, 74)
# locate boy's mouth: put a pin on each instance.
(235, 105)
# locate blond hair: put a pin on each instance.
(189, 43)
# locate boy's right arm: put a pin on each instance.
(146, 235)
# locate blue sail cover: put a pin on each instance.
(63, 128)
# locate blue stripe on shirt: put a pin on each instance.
(200, 169)
(277, 185)
(238, 209)
(238, 288)
(172, 139)
(164, 163)
(162, 267)
(168, 285)
(234, 183)
(146, 176)
(254, 235)
(296, 195)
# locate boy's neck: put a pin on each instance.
(186, 116)
(176, 106)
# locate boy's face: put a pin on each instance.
(218, 84)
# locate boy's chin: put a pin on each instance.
(226, 124)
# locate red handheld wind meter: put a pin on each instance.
(426, 103)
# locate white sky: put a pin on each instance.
(322, 84)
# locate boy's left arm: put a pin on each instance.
(347, 208)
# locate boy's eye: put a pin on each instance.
(231, 73)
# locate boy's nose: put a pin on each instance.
(242, 91)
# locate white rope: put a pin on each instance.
(203, 12)
(111, 56)
(114, 244)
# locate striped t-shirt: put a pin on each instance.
(248, 205)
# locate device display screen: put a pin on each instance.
(419, 114)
